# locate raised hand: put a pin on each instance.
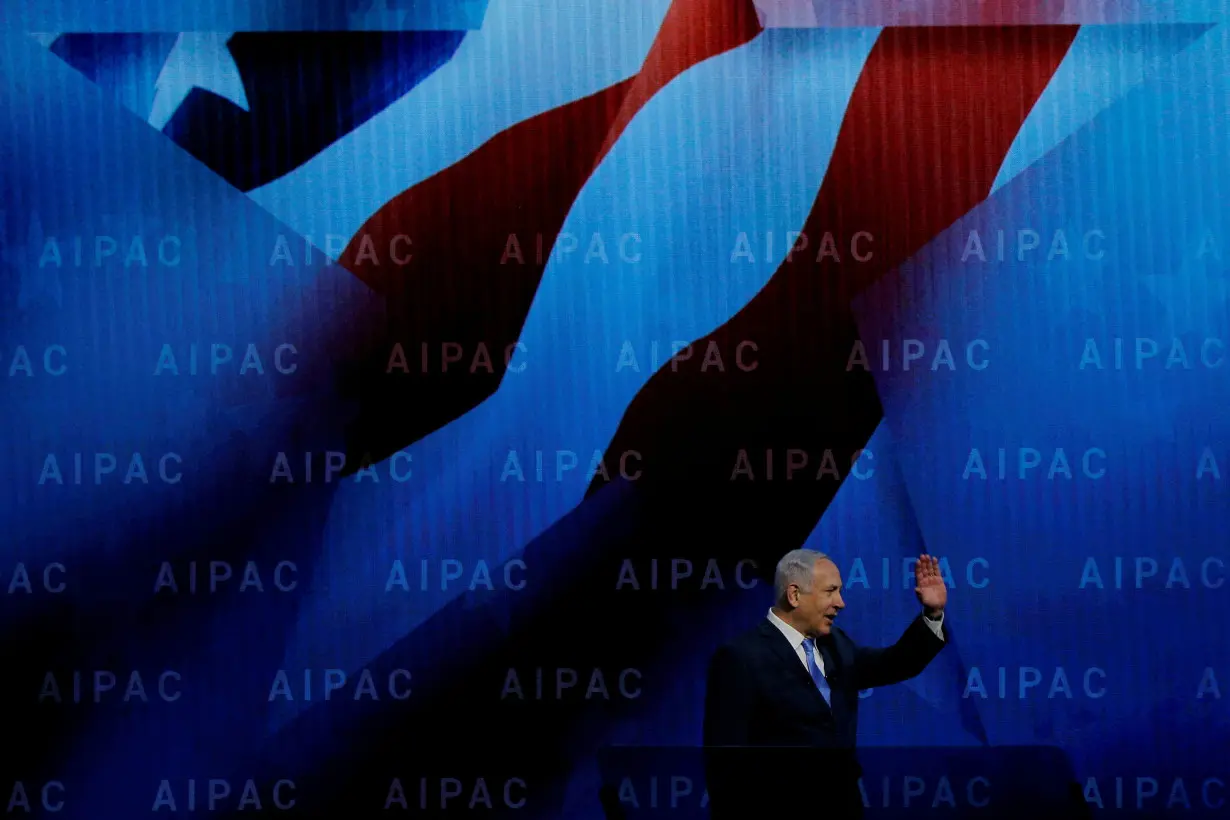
(929, 585)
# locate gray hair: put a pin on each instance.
(796, 567)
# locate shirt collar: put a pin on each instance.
(793, 635)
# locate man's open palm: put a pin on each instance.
(929, 584)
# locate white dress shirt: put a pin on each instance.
(796, 637)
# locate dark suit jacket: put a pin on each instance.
(759, 694)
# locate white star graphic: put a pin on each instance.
(199, 59)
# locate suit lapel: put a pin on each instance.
(781, 648)
(834, 674)
(830, 664)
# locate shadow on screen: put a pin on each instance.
(1007, 783)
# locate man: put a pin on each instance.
(793, 681)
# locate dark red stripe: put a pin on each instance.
(460, 287)
(453, 293)
(930, 121)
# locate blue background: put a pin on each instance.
(1127, 140)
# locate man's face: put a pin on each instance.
(817, 607)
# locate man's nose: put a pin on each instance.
(839, 603)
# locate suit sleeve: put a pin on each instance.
(728, 700)
(903, 660)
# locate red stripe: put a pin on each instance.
(929, 123)
(461, 285)
(692, 32)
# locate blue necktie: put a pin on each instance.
(816, 675)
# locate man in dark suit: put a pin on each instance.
(782, 698)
